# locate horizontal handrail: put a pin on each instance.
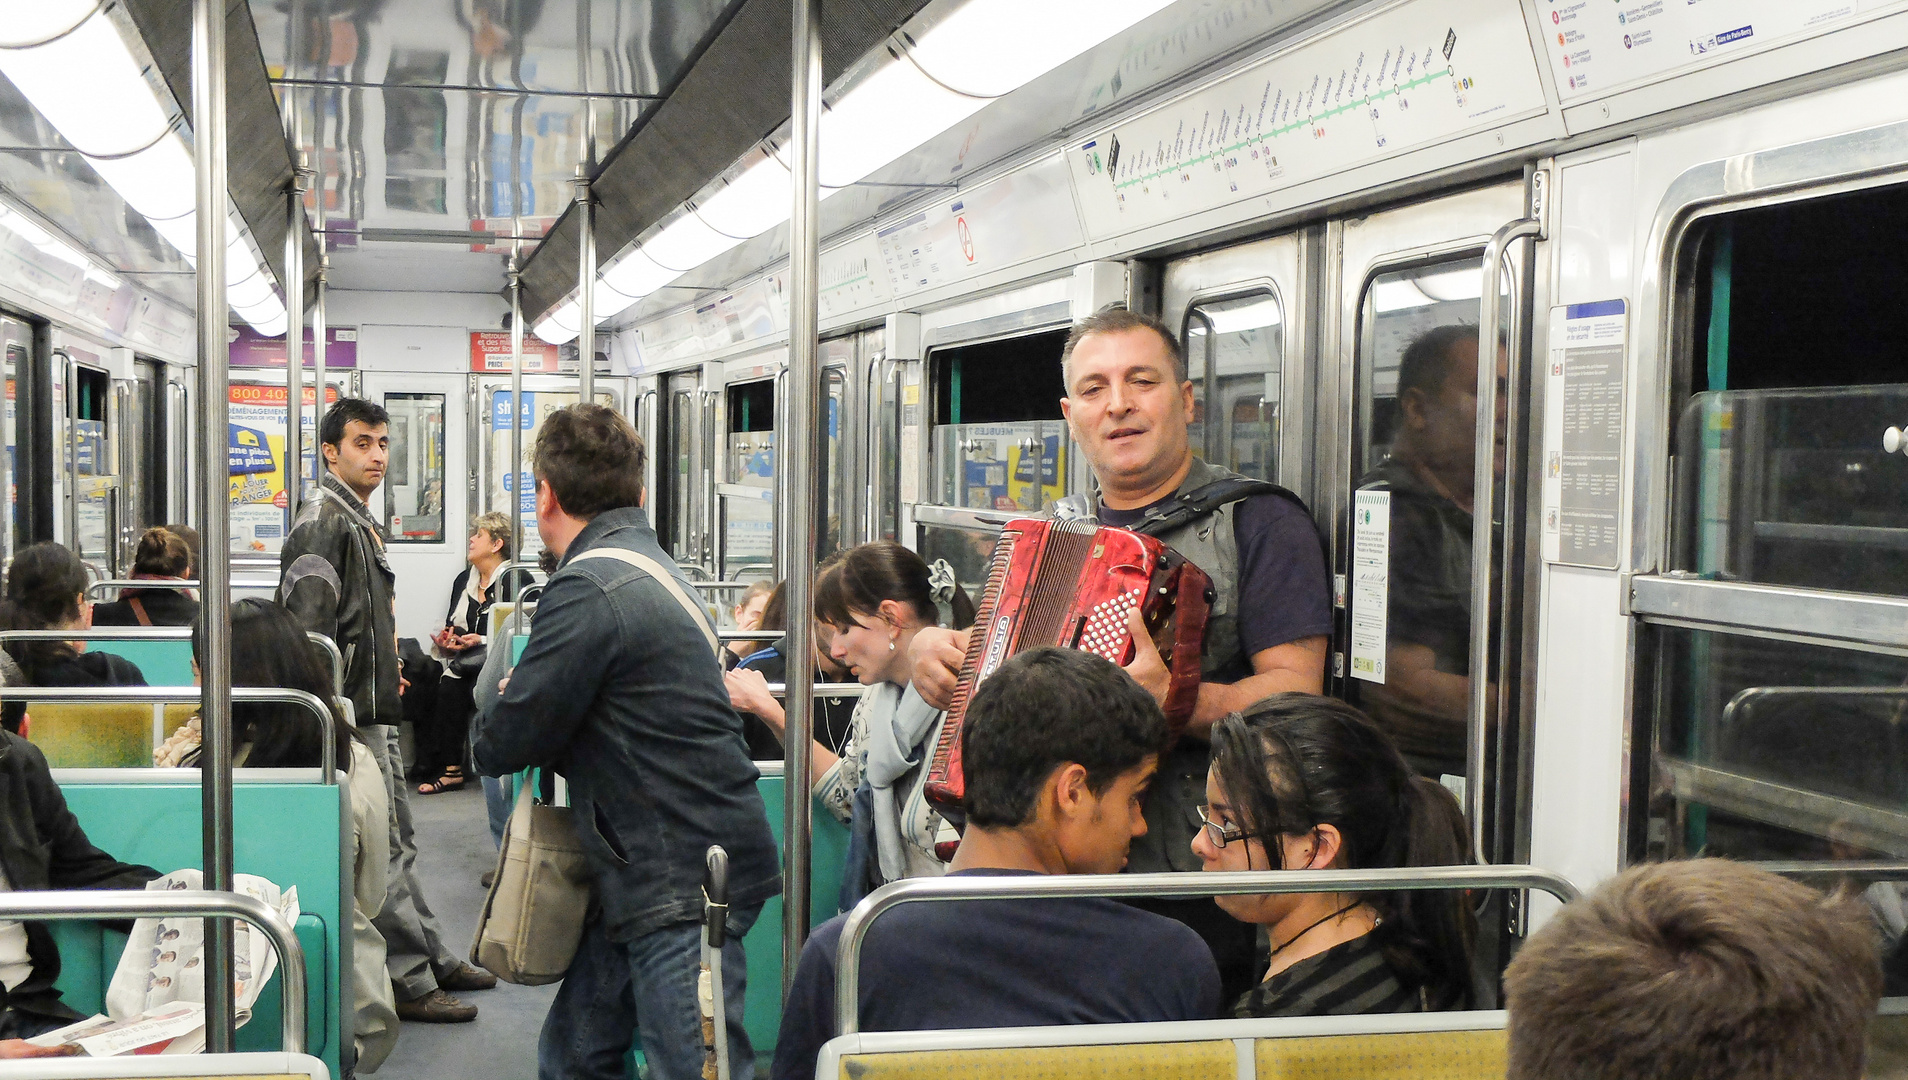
(825, 689)
(71, 904)
(1185, 885)
(103, 633)
(139, 583)
(1878, 869)
(726, 586)
(766, 637)
(1749, 696)
(182, 695)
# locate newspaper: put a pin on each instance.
(156, 1001)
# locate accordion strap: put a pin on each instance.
(1207, 498)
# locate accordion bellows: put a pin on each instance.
(1071, 584)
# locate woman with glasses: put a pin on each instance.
(1308, 783)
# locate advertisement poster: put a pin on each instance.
(255, 421)
(250, 349)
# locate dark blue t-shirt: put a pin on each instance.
(1000, 963)
(1284, 593)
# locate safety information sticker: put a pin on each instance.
(1371, 582)
(1583, 434)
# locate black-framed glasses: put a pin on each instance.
(1221, 833)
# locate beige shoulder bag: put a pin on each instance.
(531, 922)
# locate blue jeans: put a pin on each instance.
(646, 988)
(497, 804)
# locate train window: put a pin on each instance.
(1771, 749)
(1795, 362)
(414, 481)
(999, 440)
(834, 402)
(747, 492)
(95, 485)
(1234, 348)
(1417, 417)
(16, 362)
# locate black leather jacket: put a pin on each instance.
(43, 847)
(335, 579)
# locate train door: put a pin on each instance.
(501, 484)
(1246, 318)
(746, 482)
(1400, 408)
(87, 486)
(136, 457)
(683, 487)
(16, 345)
(876, 473)
(841, 400)
(645, 397)
(180, 476)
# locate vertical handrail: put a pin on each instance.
(330, 649)
(803, 451)
(585, 280)
(1483, 501)
(295, 320)
(319, 347)
(215, 667)
(71, 904)
(512, 490)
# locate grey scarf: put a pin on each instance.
(899, 723)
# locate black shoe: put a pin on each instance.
(489, 878)
(466, 977)
(436, 1007)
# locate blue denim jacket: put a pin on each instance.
(618, 691)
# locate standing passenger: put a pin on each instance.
(336, 580)
(619, 690)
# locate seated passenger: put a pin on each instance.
(1308, 783)
(46, 590)
(1695, 970)
(763, 718)
(162, 556)
(41, 847)
(747, 614)
(1059, 747)
(269, 648)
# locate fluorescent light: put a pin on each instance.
(636, 275)
(993, 47)
(552, 329)
(1234, 317)
(252, 291)
(31, 23)
(893, 111)
(686, 243)
(752, 203)
(607, 302)
(23, 227)
(100, 277)
(181, 232)
(273, 327)
(157, 181)
(1452, 285)
(89, 87)
(1397, 295)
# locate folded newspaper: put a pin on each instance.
(156, 1002)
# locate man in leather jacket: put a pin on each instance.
(41, 847)
(1129, 404)
(336, 580)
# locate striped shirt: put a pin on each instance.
(1344, 980)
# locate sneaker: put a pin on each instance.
(436, 1007)
(466, 977)
(489, 878)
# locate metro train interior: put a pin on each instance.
(1680, 630)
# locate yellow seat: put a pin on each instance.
(1420, 1055)
(92, 736)
(1210, 1060)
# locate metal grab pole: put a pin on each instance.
(854, 930)
(295, 327)
(514, 490)
(585, 287)
(215, 710)
(801, 453)
(1483, 503)
(71, 904)
(318, 352)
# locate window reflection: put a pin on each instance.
(1234, 349)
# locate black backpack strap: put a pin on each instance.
(1201, 501)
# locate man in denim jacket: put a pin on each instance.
(619, 690)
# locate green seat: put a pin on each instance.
(290, 834)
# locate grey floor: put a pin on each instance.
(453, 851)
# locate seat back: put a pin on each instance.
(254, 1066)
(163, 663)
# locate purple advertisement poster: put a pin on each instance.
(250, 350)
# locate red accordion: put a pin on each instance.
(1071, 584)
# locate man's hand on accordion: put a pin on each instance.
(1147, 668)
(936, 655)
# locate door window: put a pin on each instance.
(414, 481)
(747, 503)
(1234, 349)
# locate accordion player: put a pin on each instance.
(1072, 583)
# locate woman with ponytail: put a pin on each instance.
(46, 590)
(876, 598)
(162, 556)
(1308, 783)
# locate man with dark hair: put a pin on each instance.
(1424, 702)
(620, 691)
(1701, 969)
(1129, 405)
(335, 578)
(1058, 748)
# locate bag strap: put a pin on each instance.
(1203, 500)
(662, 577)
(139, 611)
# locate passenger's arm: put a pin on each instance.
(1296, 666)
(1412, 675)
(937, 655)
(309, 584)
(552, 687)
(749, 693)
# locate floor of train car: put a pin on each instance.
(453, 851)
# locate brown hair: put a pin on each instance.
(1701, 969)
(1118, 320)
(883, 570)
(591, 458)
(44, 586)
(163, 552)
(191, 537)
